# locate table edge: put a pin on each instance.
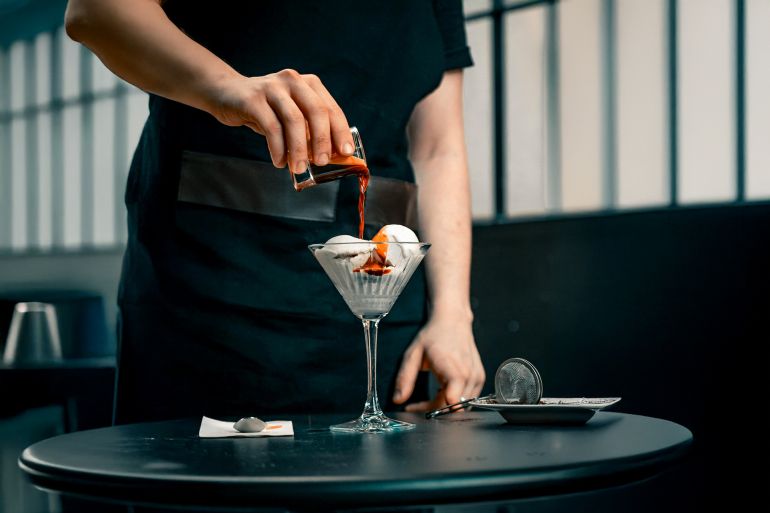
(285, 491)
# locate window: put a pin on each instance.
(594, 105)
(67, 129)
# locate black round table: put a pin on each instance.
(464, 457)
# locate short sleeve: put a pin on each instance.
(451, 24)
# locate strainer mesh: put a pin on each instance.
(517, 381)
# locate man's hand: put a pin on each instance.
(295, 112)
(447, 348)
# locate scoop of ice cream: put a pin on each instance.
(347, 247)
(395, 253)
(395, 233)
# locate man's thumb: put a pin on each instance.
(407, 375)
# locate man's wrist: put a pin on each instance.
(213, 88)
(454, 310)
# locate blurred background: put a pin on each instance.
(620, 162)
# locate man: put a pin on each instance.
(223, 309)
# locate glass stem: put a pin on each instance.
(372, 406)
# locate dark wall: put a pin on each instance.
(668, 309)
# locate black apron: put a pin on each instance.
(224, 311)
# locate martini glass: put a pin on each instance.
(370, 276)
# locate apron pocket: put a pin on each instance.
(251, 186)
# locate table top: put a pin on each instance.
(468, 456)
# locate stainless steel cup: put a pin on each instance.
(34, 335)
(315, 174)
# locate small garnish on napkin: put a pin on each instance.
(212, 428)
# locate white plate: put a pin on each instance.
(550, 410)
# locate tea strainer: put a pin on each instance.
(517, 381)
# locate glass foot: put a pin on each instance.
(372, 424)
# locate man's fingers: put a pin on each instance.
(338, 123)
(454, 389)
(316, 113)
(473, 390)
(407, 375)
(475, 382)
(452, 376)
(294, 131)
(481, 377)
(469, 391)
(422, 406)
(468, 385)
(265, 122)
(435, 404)
(312, 124)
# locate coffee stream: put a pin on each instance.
(350, 166)
(377, 264)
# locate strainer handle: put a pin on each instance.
(449, 408)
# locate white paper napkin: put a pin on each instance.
(211, 428)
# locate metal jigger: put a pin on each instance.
(33, 336)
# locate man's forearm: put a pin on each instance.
(136, 41)
(445, 222)
(445, 345)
